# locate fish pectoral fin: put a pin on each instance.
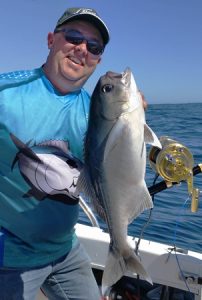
(150, 137)
(115, 134)
(85, 187)
(116, 266)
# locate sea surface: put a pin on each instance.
(172, 221)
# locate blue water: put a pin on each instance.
(172, 221)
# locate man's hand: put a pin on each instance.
(144, 102)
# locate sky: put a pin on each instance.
(160, 40)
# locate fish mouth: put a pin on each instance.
(125, 76)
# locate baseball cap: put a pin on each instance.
(87, 14)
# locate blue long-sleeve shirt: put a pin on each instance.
(36, 232)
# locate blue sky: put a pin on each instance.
(160, 40)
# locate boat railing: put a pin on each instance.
(88, 211)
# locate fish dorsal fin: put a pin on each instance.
(85, 187)
(150, 137)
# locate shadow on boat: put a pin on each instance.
(128, 288)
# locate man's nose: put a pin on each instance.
(82, 47)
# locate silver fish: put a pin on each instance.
(115, 163)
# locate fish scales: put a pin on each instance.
(114, 169)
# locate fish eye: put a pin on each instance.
(107, 88)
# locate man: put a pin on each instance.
(43, 115)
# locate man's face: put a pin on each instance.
(72, 64)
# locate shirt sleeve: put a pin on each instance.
(8, 150)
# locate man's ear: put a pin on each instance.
(50, 39)
(99, 60)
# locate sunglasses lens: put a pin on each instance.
(76, 38)
(94, 48)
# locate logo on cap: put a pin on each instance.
(85, 11)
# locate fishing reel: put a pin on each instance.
(175, 163)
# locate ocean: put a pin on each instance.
(172, 221)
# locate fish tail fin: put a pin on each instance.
(135, 266)
(116, 267)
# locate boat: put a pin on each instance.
(176, 273)
(173, 270)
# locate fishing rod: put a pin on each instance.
(175, 164)
(163, 185)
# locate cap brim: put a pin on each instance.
(99, 24)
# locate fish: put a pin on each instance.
(49, 171)
(113, 176)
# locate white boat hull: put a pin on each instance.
(158, 259)
(180, 269)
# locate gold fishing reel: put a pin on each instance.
(174, 163)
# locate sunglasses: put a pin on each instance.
(76, 38)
